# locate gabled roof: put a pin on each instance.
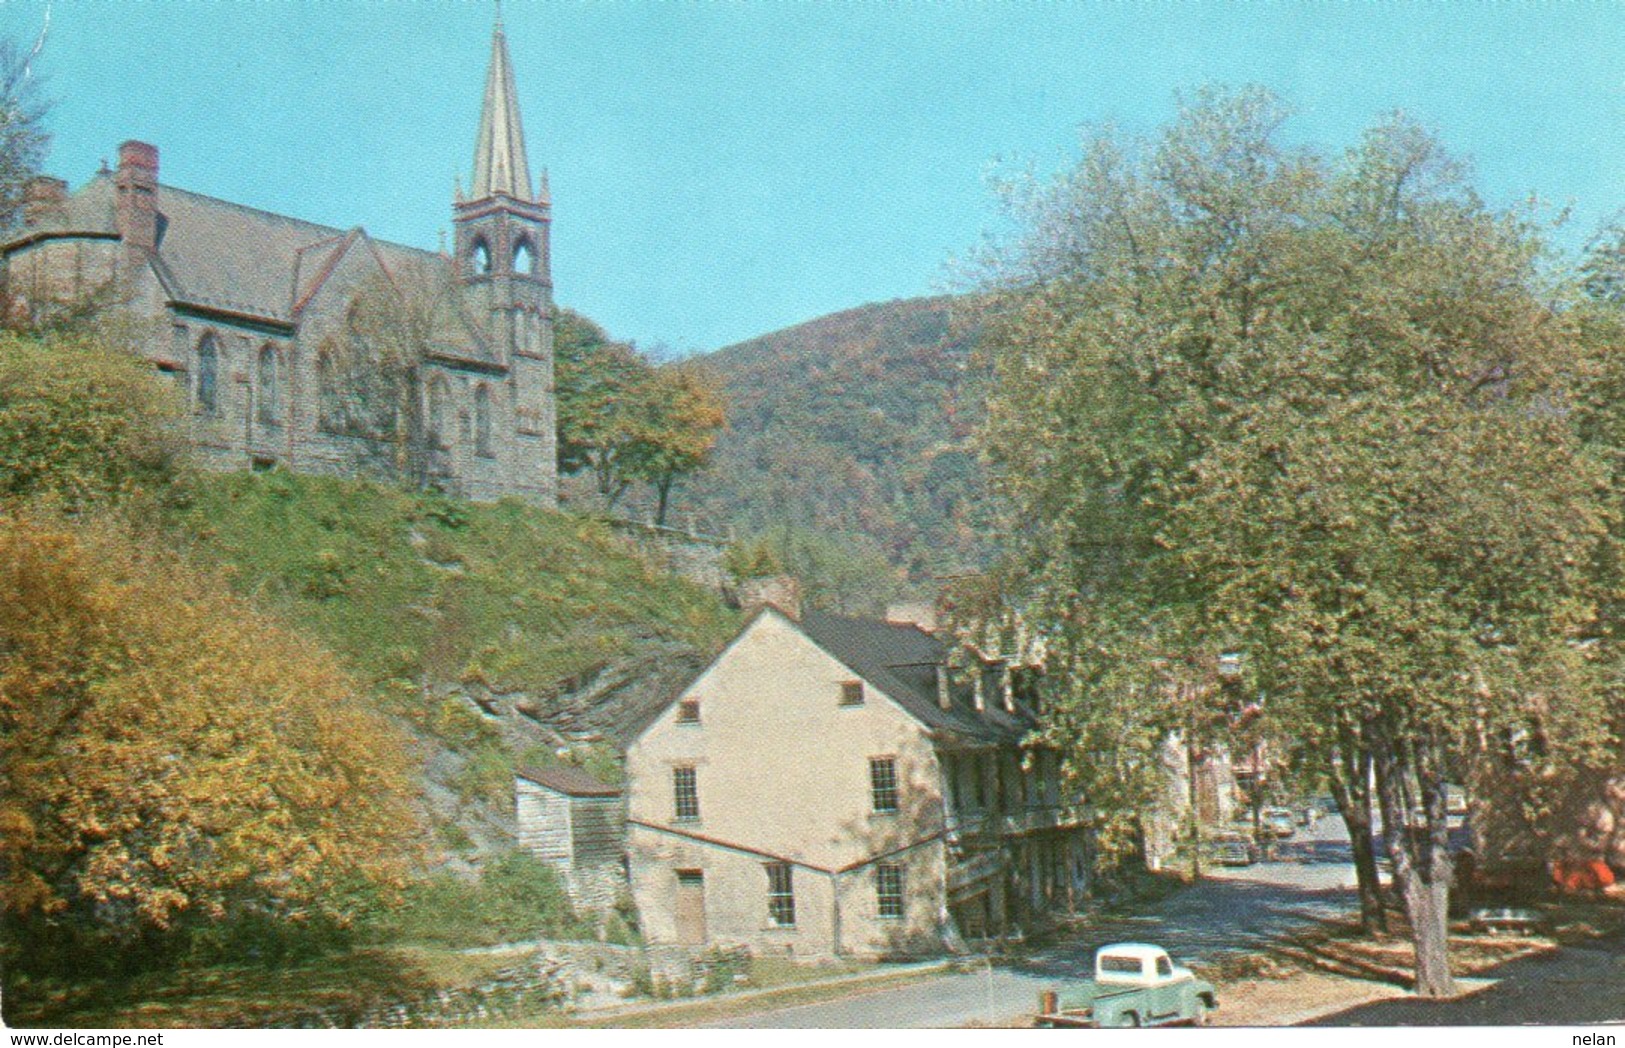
(901, 660)
(572, 782)
(214, 254)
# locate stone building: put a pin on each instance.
(576, 824)
(249, 313)
(828, 786)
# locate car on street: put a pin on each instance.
(1135, 984)
(1279, 821)
(1232, 849)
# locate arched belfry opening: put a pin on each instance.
(524, 258)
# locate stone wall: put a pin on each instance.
(697, 558)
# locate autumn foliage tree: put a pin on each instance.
(169, 756)
(623, 420)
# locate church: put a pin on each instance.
(257, 316)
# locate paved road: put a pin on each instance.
(1232, 910)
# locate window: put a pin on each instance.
(852, 693)
(268, 392)
(481, 257)
(781, 895)
(1122, 965)
(524, 258)
(482, 421)
(688, 711)
(329, 409)
(889, 890)
(883, 782)
(208, 375)
(1164, 966)
(439, 395)
(685, 793)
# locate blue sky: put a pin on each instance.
(720, 170)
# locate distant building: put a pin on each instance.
(244, 309)
(829, 786)
(576, 824)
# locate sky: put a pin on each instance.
(720, 170)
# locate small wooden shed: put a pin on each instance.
(577, 824)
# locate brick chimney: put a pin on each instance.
(42, 197)
(781, 591)
(136, 182)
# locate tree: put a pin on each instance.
(1249, 400)
(82, 421)
(601, 388)
(23, 137)
(682, 414)
(374, 368)
(171, 758)
(623, 420)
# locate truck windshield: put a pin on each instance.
(1126, 965)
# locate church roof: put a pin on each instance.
(217, 255)
(499, 151)
(228, 256)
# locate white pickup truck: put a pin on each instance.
(1135, 984)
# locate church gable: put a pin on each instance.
(241, 306)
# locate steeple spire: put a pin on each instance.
(499, 152)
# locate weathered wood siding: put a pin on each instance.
(544, 823)
(597, 830)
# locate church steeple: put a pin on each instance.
(500, 165)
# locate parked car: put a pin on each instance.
(1233, 849)
(1279, 821)
(1135, 984)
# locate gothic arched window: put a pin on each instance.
(481, 256)
(208, 374)
(329, 409)
(439, 413)
(269, 389)
(524, 258)
(482, 421)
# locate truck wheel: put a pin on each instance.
(1128, 1020)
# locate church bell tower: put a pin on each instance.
(503, 264)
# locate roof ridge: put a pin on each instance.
(332, 232)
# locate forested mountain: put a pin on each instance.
(856, 427)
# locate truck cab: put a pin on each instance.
(1135, 984)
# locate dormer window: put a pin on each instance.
(688, 711)
(852, 693)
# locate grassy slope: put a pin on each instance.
(407, 585)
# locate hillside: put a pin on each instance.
(501, 633)
(856, 424)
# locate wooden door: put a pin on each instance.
(691, 907)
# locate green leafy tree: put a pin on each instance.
(601, 389)
(82, 421)
(1250, 400)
